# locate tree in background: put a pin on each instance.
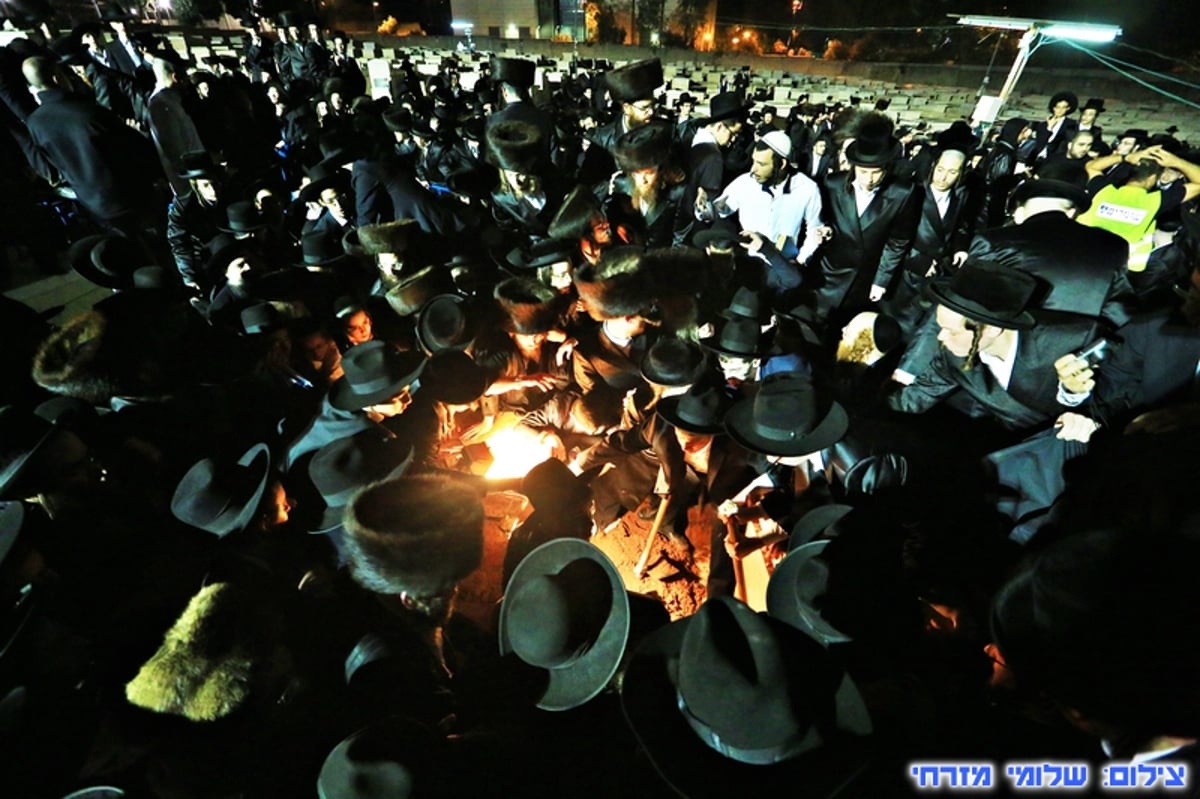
(690, 16)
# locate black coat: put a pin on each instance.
(1031, 399)
(864, 251)
(191, 227)
(1083, 267)
(385, 191)
(110, 166)
(1155, 363)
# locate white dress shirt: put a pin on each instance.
(777, 212)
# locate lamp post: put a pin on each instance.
(1032, 30)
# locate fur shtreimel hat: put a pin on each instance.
(83, 359)
(416, 535)
(574, 218)
(386, 237)
(516, 146)
(531, 305)
(617, 286)
(636, 81)
(210, 660)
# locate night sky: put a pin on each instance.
(1166, 26)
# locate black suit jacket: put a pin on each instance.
(1031, 399)
(864, 251)
(120, 59)
(1155, 364)
(937, 237)
(1083, 267)
(387, 190)
(110, 166)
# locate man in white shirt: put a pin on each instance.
(778, 208)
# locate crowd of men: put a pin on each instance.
(914, 406)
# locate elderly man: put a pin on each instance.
(779, 211)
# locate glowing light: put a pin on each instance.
(462, 26)
(1082, 33)
(515, 452)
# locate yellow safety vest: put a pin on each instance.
(1130, 212)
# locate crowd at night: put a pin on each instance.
(615, 435)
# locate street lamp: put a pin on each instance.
(1032, 30)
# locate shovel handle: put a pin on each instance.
(644, 560)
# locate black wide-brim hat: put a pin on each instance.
(697, 411)
(989, 293)
(796, 588)
(222, 499)
(1054, 189)
(787, 417)
(654, 698)
(325, 175)
(1070, 97)
(243, 217)
(198, 164)
(644, 148)
(673, 361)
(340, 468)
(739, 337)
(22, 435)
(446, 323)
(575, 677)
(727, 105)
(873, 151)
(453, 377)
(375, 372)
(88, 257)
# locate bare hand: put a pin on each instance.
(565, 350)
(542, 381)
(825, 232)
(877, 293)
(959, 258)
(1075, 427)
(1075, 374)
(755, 243)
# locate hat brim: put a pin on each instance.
(650, 704)
(856, 157)
(235, 519)
(741, 111)
(574, 684)
(784, 601)
(937, 291)
(343, 397)
(738, 424)
(311, 192)
(80, 256)
(714, 345)
(16, 467)
(331, 517)
(668, 409)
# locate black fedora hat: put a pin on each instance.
(391, 758)
(673, 361)
(1056, 189)
(565, 610)
(719, 237)
(325, 175)
(543, 253)
(445, 323)
(375, 372)
(1096, 104)
(729, 695)
(108, 260)
(727, 105)
(700, 409)
(798, 584)
(318, 248)
(988, 292)
(788, 417)
(739, 336)
(198, 164)
(746, 303)
(262, 317)
(220, 497)
(243, 216)
(342, 467)
(874, 144)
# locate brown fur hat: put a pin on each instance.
(636, 81)
(516, 145)
(617, 286)
(531, 305)
(210, 660)
(417, 535)
(574, 218)
(386, 237)
(82, 360)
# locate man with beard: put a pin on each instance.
(633, 87)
